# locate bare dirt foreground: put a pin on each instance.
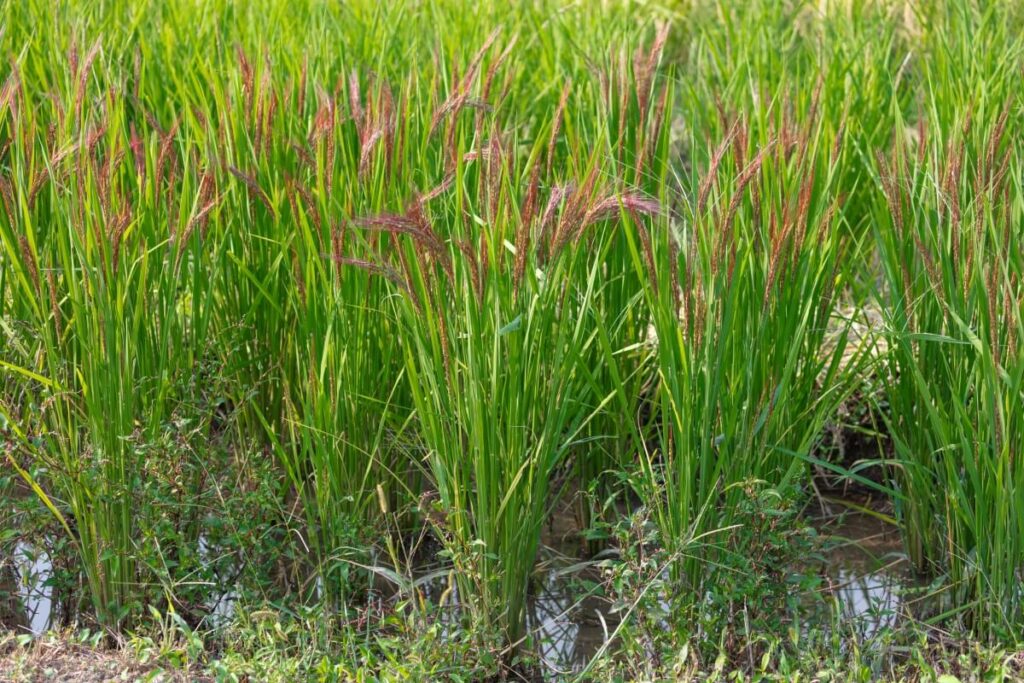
(57, 659)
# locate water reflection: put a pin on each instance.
(869, 602)
(561, 619)
(566, 626)
(220, 604)
(866, 571)
(34, 590)
(863, 568)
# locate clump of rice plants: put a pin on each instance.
(948, 232)
(104, 346)
(344, 401)
(739, 284)
(637, 98)
(397, 278)
(492, 340)
(317, 364)
(495, 280)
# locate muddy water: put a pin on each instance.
(865, 569)
(568, 625)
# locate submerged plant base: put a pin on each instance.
(861, 625)
(861, 608)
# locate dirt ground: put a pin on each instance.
(53, 659)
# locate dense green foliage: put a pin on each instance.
(361, 291)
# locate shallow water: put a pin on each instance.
(35, 599)
(866, 570)
(220, 603)
(568, 628)
(33, 569)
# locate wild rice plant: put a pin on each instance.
(740, 290)
(100, 324)
(345, 402)
(493, 339)
(949, 236)
(636, 100)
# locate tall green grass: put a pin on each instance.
(101, 338)
(441, 259)
(740, 289)
(949, 235)
(192, 207)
